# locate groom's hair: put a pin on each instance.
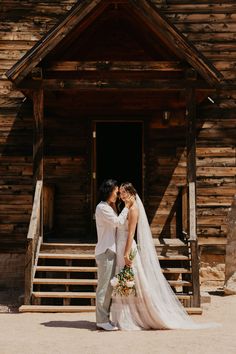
(106, 189)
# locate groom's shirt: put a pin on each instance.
(106, 222)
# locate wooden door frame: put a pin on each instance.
(94, 155)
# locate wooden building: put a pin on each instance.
(135, 90)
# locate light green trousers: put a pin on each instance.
(106, 270)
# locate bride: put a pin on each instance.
(155, 306)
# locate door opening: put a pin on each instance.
(119, 153)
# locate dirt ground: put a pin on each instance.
(30, 333)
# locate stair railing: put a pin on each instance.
(34, 240)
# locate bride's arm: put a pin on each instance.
(133, 219)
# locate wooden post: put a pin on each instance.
(191, 160)
(48, 211)
(38, 135)
(191, 180)
(38, 101)
(184, 209)
(36, 223)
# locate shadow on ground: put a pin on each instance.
(71, 324)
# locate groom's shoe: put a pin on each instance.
(107, 326)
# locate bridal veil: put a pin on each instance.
(164, 301)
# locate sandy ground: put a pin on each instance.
(30, 333)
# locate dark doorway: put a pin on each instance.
(119, 151)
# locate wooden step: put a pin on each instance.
(70, 309)
(75, 248)
(65, 281)
(176, 271)
(94, 269)
(53, 308)
(179, 283)
(194, 310)
(65, 269)
(80, 295)
(60, 281)
(66, 256)
(173, 257)
(64, 294)
(61, 244)
(183, 296)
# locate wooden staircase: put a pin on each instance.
(65, 276)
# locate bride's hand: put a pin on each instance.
(128, 262)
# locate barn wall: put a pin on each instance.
(211, 27)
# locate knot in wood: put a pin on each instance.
(103, 65)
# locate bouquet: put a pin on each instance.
(123, 283)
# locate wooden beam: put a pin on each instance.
(191, 181)
(170, 35)
(196, 301)
(38, 102)
(191, 159)
(114, 84)
(33, 241)
(77, 15)
(115, 66)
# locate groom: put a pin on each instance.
(107, 221)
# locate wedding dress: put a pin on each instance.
(155, 305)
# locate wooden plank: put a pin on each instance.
(60, 281)
(65, 269)
(33, 243)
(63, 294)
(51, 308)
(154, 20)
(71, 309)
(35, 211)
(181, 283)
(98, 84)
(184, 196)
(48, 207)
(195, 273)
(38, 102)
(66, 256)
(176, 271)
(115, 66)
(191, 159)
(51, 39)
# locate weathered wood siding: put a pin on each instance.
(211, 26)
(66, 167)
(22, 24)
(166, 173)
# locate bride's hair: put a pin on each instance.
(128, 187)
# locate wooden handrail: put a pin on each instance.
(34, 239)
(35, 211)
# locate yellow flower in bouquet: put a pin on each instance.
(123, 283)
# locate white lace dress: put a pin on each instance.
(155, 305)
(133, 312)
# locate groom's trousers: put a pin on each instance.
(106, 270)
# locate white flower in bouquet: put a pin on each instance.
(124, 283)
(114, 281)
(130, 284)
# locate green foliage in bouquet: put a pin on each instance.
(123, 283)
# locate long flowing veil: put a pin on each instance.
(164, 300)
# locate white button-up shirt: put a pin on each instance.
(106, 222)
